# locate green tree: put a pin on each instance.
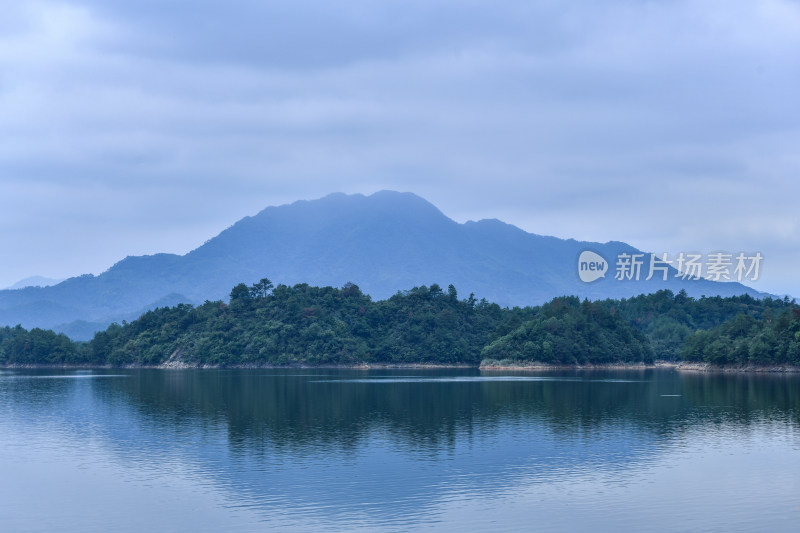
(261, 289)
(240, 293)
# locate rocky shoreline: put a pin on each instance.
(178, 365)
(487, 366)
(672, 365)
(707, 367)
(536, 366)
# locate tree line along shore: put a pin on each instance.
(302, 325)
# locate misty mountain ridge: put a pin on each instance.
(34, 281)
(384, 242)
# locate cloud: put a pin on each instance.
(150, 126)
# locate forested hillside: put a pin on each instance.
(306, 325)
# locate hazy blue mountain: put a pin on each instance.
(35, 281)
(385, 242)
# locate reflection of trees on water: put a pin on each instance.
(313, 408)
(308, 440)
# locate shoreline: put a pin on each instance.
(728, 369)
(493, 366)
(536, 366)
(180, 365)
(680, 366)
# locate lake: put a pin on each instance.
(398, 450)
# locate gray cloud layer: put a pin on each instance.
(138, 127)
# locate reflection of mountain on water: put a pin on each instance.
(393, 446)
(389, 448)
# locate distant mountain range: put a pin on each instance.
(35, 281)
(384, 242)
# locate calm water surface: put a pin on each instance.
(450, 450)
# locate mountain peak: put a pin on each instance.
(382, 199)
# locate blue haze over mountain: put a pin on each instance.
(385, 242)
(35, 281)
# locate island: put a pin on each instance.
(264, 325)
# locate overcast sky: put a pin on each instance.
(137, 127)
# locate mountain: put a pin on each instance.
(385, 242)
(35, 281)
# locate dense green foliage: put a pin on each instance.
(19, 346)
(669, 319)
(311, 326)
(566, 332)
(305, 325)
(743, 340)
